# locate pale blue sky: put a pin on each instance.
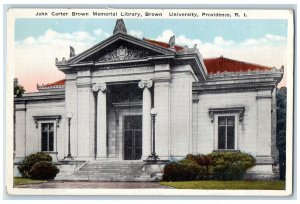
(206, 30)
(39, 41)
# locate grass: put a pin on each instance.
(227, 185)
(22, 181)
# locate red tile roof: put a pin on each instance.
(222, 64)
(162, 44)
(56, 83)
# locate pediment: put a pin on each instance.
(119, 47)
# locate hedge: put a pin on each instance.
(214, 166)
(30, 160)
(38, 166)
(43, 170)
(231, 165)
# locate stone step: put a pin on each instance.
(114, 172)
(111, 169)
(116, 179)
(106, 176)
(115, 162)
(107, 172)
(114, 166)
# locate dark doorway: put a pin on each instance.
(133, 137)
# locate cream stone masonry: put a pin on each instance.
(110, 89)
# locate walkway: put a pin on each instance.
(93, 184)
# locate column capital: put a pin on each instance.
(99, 87)
(145, 83)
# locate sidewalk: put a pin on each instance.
(94, 184)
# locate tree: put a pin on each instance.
(18, 89)
(281, 129)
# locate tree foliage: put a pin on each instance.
(281, 128)
(18, 90)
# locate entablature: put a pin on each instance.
(239, 82)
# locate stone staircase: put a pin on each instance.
(113, 171)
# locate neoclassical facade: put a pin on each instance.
(109, 90)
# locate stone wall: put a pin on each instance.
(28, 132)
(254, 135)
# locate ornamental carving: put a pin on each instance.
(239, 110)
(99, 87)
(145, 83)
(123, 53)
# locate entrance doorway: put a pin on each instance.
(133, 137)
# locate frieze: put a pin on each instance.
(126, 70)
(124, 65)
(123, 53)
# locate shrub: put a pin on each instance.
(230, 165)
(30, 160)
(184, 170)
(204, 161)
(217, 166)
(200, 159)
(43, 170)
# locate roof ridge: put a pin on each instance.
(56, 84)
(53, 83)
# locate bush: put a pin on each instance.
(204, 161)
(230, 165)
(43, 170)
(184, 170)
(200, 159)
(217, 166)
(30, 160)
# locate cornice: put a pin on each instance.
(57, 118)
(112, 39)
(40, 97)
(239, 110)
(233, 87)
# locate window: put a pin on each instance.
(47, 136)
(226, 132)
(226, 121)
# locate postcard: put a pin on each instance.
(149, 101)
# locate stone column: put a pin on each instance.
(146, 85)
(101, 120)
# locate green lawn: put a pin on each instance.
(227, 185)
(21, 181)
